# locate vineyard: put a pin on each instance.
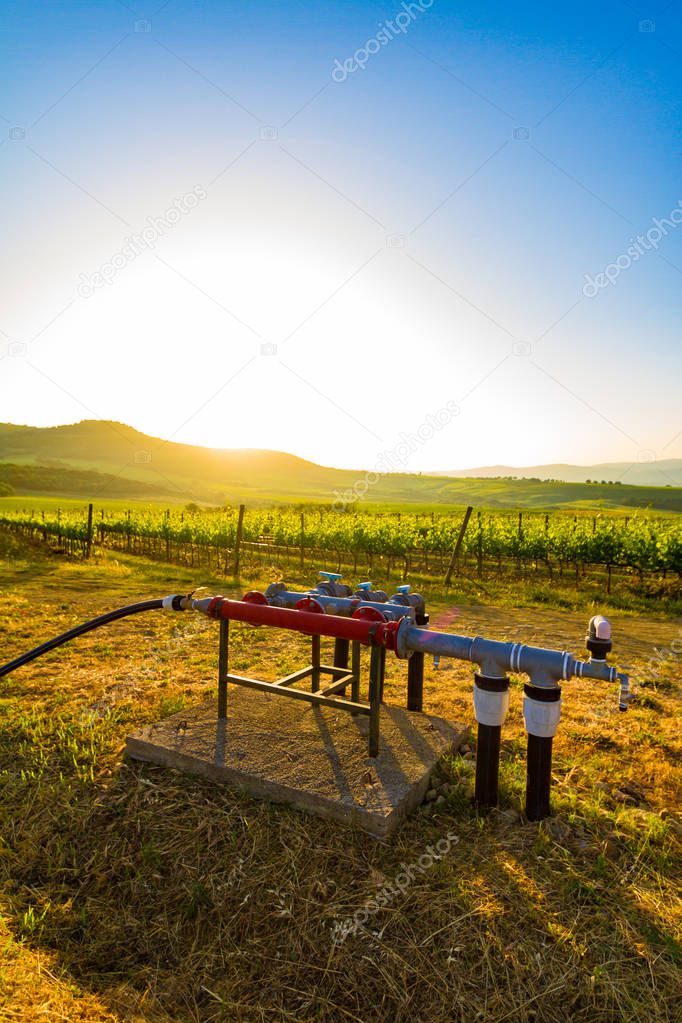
(371, 542)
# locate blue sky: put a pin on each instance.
(364, 251)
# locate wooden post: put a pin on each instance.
(88, 539)
(518, 560)
(238, 541)
(458, 546)
(479, 549)
(302, 537)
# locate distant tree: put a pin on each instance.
(588, 481)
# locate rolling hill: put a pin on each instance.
(62, 482)
(165, 470)
(665, 472)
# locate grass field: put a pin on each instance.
(34, 459)
(133, 893)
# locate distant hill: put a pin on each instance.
(666, 472)
(41, 479)
(123, 462)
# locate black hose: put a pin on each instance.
(78, 630)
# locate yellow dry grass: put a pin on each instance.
(132, 893)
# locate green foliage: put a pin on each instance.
(641, 542)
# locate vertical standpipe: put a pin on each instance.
(415, 667)
(491, 703)
(541, 713)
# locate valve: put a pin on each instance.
(599, 643)
(625, 696)
(406, 599)
(598, 638)
(365, 592)
(331, 586)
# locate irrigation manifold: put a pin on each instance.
(395, 625)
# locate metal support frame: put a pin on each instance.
(415, 681)
(355, 671)
(376, 681)
(329, 695)
(224, 643)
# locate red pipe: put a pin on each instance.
(311, 623)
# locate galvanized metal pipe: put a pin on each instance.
(344, 606)
(545, 668)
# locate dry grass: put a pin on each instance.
(128, 892)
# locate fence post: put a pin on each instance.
(88, 538)
(458, 546)
(302, 537)
(238, 541)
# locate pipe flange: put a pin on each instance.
(491, 700)
(309, 604)
(542, 710)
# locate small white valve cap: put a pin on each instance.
(602, 627)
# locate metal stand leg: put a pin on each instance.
(382, 673)
(415, 681)
(374, 700)
(355, 671)
(341, 649)
(223, 650)
(316, 663)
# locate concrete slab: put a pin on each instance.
(312, 758)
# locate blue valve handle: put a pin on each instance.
(331, 576)
(365, 587)
(403, 589)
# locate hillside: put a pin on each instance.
(665, 472)
(186, 472)
(41, 479)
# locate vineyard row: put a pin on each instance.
(370, 542)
